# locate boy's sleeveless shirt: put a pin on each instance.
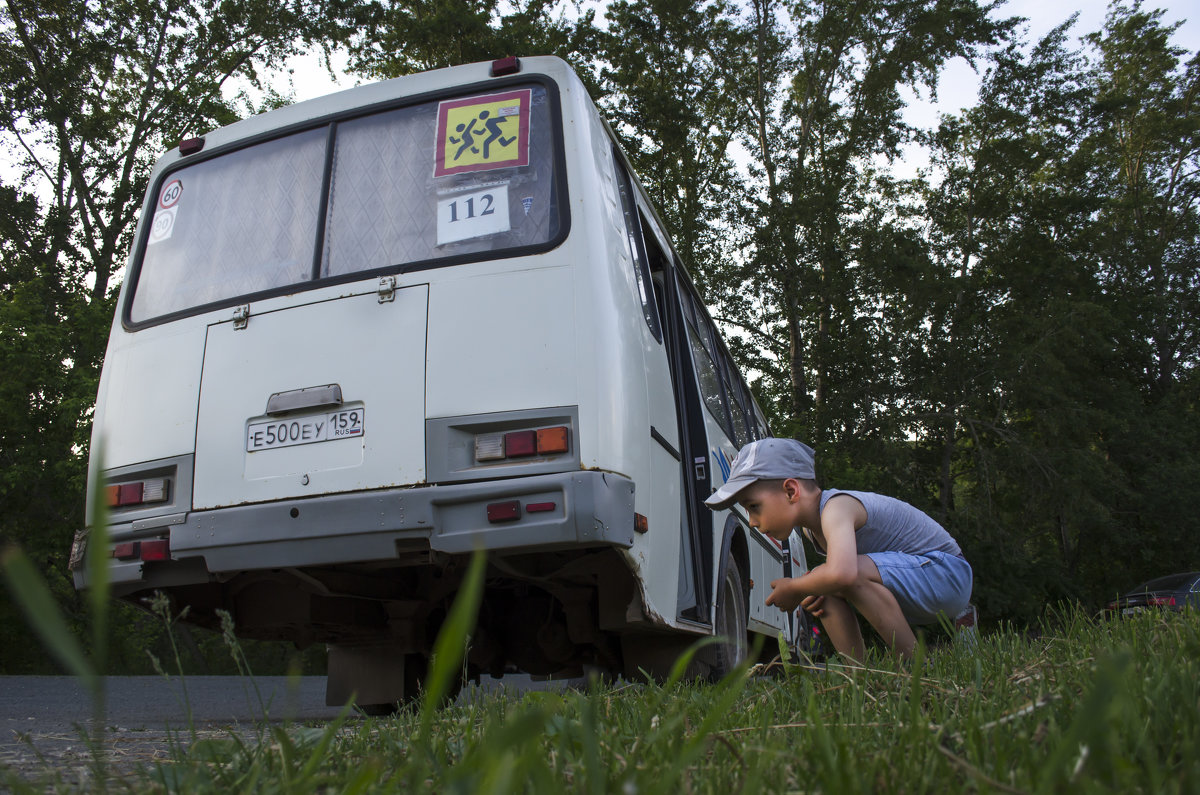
(895, 526)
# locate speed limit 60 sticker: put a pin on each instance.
(172, 192)
(164, 213)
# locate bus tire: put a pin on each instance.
(732, 624)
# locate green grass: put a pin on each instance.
(1107, 707)
(1085, 706)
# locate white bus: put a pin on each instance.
(363, 335)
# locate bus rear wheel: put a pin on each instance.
(732, 624)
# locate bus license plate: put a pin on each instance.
(343, 424)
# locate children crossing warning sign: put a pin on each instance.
(482, 133)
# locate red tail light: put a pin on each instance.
(523, 444)
(520, 443)
(155, 549)
(1161, 601)
(140, 492)
(509, 511)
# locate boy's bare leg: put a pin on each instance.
(879, 607)
(840, 623)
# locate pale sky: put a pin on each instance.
(958, 85)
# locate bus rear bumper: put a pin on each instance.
(537, 513)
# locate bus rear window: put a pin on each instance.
(465, 178)
(393, 200)
(241, 223)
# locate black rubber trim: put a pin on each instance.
(662, 440)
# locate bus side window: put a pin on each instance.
(710, 365)
(735, 392)
(637, 250)
(740, 429)
(761, 422)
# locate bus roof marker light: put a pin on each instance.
(190, 146)
(506, 66)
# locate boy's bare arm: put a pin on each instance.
(842, 515)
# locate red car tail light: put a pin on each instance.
(1161, 601)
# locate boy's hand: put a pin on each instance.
(814, 605)
(784, 595)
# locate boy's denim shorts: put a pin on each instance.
(926, 585)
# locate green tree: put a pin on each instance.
(671, 101)
(1010, 385)
(823, 86)
(1146, 157)
(407, 36)
(90, 95)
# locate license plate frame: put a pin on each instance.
(329, 426)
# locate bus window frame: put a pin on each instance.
(331, 120)
(635, 237)
(694, 311)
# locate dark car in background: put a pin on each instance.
(1173, 592)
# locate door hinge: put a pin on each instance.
(701, 473)
(387, 289)
(241, 316)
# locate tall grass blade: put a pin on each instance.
(98, 558)
(1090, 728)
(44, 617)
(451, 644)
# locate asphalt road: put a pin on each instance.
(56, 703)
(42, 718)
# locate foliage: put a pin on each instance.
(672, 103)
(90, 94)
(406, 36)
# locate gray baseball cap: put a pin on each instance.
(765, 459)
